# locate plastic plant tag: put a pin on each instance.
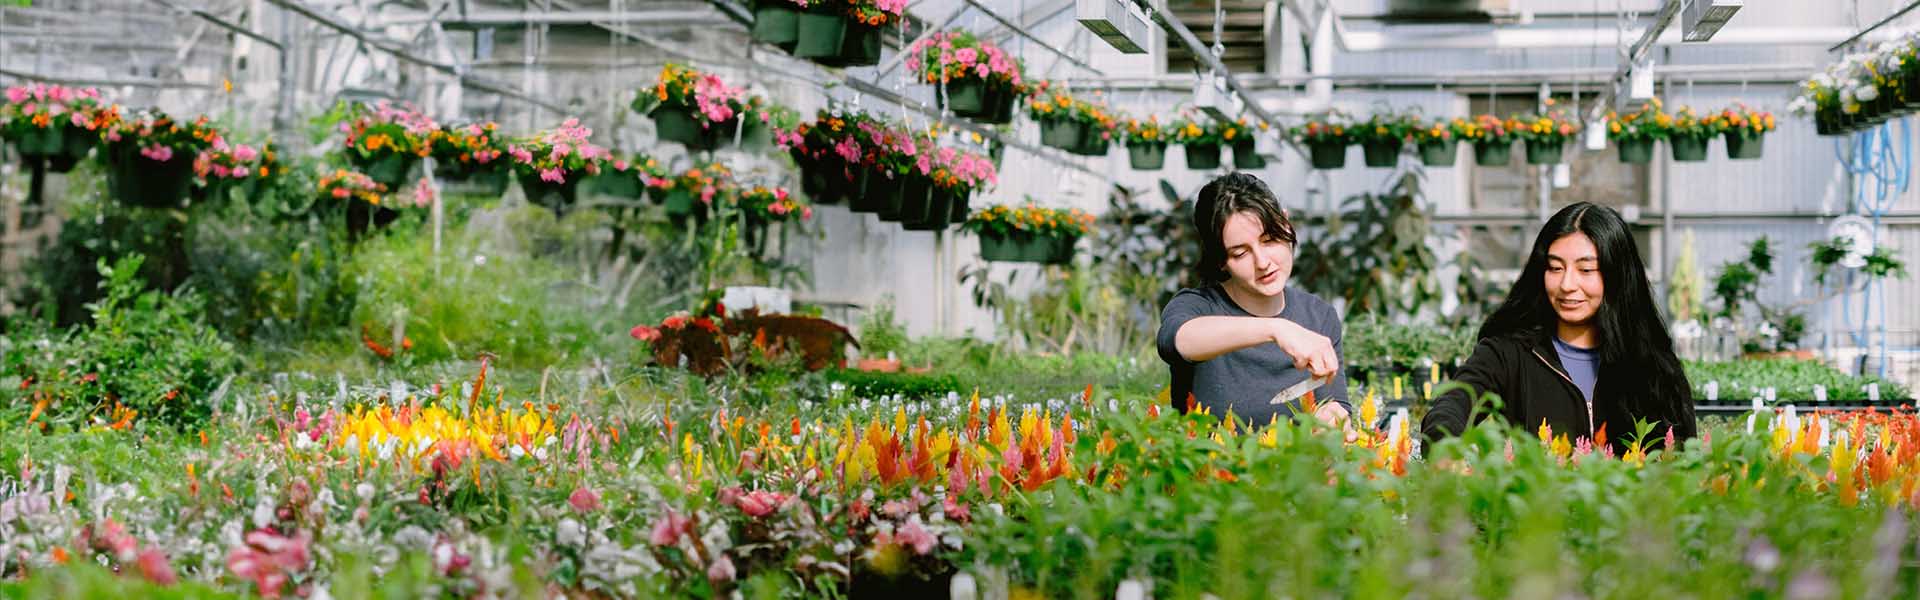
(1713, 391)
(1819, 393)
(1873, 392)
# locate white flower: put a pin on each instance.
(364, 491)
(1866, 93)
(570, 533)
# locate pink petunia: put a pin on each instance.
(552, 175)
(584, 500)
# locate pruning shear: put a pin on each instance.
(1304, 389)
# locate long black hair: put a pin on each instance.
(1221, 199)
(1640, 376)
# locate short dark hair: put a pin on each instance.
(1221, 199)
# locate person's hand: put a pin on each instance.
(1311, 351)
(1333, 413)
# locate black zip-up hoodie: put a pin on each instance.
(1525, 371)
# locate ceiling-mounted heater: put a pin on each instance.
(1700, 19)
(1119, 22)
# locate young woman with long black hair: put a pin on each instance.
(1578, 344)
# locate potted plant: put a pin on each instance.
(761, 206)
(1098, 127)
(1688, 136)
(694, 109)
(1008, 234)
(1382, 137)
(1065, 228)
(551, 164)
(1745, 130)
(854, 40)
(1326, 136)
(759, 119)
(693, 192)
(1634, 133)
(1240, 135)
(1492, 140)
(777, 22)
(1439, 142)
(1056, 113)
(1202, 143)
(150, 158)
(54, 125)
(1546, 135)
(385, 141)
(622, 177)
(975, 77)
(891, 160)
(363, 199)
(474, 152)
(1146, 143)
(952, 176)
(225, 167)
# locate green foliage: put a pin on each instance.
(873, 384)
(880, 335)
(87, 580)
(1375, 254)
(145, 350)
(489, 292)
(1373, 342)
(1792, 380)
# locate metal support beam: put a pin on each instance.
(1200, 52)
(1632, 57)
(108, 81)
(570, 17)
(221, 23)
(1876, 26)
(387, 46)
(1022, 32)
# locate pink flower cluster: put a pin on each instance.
(406, 115)
(110, 538)
(960, 55)
(553, 154)
(756, 504)
(270, 559)
(715, 99)
(223, 161)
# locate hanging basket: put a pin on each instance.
(1688, 149)
(1203, 156)
(1000, 103)
(912, 201)
(555, 196)
(1745, 144)
(1147, 156)
(819, 34)
(1093, 142)
(1439, 153)
(1544, 152)
(1060, 133)
(1381, 153)
(776, 22)
(1004, 248)
(1060, 249)
(1327, 155)
(960, 207)
(136, 180)
(816, 177)
(1636, 152)
(363, 217)
(1245, 157)
(61, 147)
(1488, 153)
(681, 203)
(938, 209)
(619, 184)
(879, 195)
(859, 47)
(387, 168)
(967, 97)
(680, 124)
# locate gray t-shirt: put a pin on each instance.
(1246, 379)
(1583, 366)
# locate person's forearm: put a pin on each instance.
(1204, 338)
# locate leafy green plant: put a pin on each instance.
(1792, 380)
(1375, 254)
(880, 335)
(145, 354)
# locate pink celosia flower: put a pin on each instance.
(668, 530)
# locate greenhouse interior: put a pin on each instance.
(972, 299)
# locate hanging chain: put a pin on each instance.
(1219, 18)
